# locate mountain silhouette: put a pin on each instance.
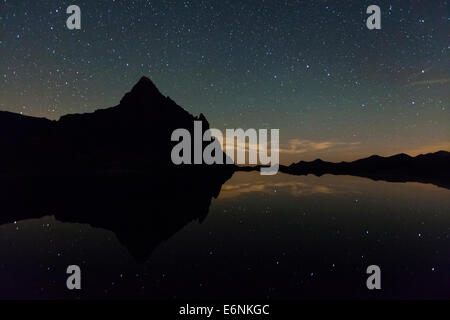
(426, 168)
(141, 210)
(111, 169)
(134, 136)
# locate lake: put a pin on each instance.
(265, 237)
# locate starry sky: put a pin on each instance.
(335, 89)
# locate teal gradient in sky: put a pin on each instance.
(335, 89)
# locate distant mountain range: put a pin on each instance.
(112, 169)
(134, 137)
(427, 168)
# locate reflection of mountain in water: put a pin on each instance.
(141, 210)
(426, 168)
(111, 169)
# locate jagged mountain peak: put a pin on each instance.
(143, 92)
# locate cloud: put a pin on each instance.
(294, 146)
(430, 82)
(434, 75)
(238, 145)
(298, 146)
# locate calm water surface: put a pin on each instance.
(276, 237)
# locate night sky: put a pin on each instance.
(310, 68)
